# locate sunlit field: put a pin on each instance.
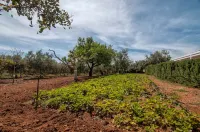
(132, 101)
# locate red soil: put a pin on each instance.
(18, 114)
(189, 97)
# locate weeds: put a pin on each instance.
(181, 90)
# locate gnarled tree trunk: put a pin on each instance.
(90, 72)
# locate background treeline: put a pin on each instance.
(185, 72)
(87, 57)
(154, 58)
(17, 64)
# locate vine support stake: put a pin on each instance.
(37, 95)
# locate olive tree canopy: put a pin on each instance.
(93, 54)
(158, 57)
(47, 12)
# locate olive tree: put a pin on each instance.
(154, 58)
(2, 64)
(92, 53)
(158, 57)
(138, 66)
(47, 12)
(122, 61)
(16, 56)
(68, 63)
(39, 64)
(5, 64)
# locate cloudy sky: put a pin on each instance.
(141, 26)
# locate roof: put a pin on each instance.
(194, 55)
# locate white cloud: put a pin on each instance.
(138, 25)
(109, 18)
(5, 48)
(13, 28)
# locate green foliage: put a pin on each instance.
(156, 112)
(154, 58)
(129, 99)
(186, 72)
(15, 64)
(122, 61)
(62, 107)
(158, 57)
(39, 63)
(5, 64)
(12, 63)
(48, 12)
(93, 54)
(138, 66)
(107, 107)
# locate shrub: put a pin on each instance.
(186, 72)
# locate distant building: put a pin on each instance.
(195, 55)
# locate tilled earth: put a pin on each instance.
(18, 114)
(188, 97)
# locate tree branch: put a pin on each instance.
(9, 6)
(58, 57)
(88, 64)
(64, 62)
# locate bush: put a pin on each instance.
(186, 72)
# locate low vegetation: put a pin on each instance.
(186, 72)
(131, 100)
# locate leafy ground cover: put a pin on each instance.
(131, 100)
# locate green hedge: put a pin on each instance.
(186, 72)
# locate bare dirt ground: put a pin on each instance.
(17, 114)
(189, 97)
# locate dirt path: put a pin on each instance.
(17, 114)
(189, 97)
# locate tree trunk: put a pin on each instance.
(90, 72)
(101, 72)
(14, 74)
(21, 72)
(75, 75)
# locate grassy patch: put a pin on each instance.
(181, 90)
(130, 100)
(174, 96)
